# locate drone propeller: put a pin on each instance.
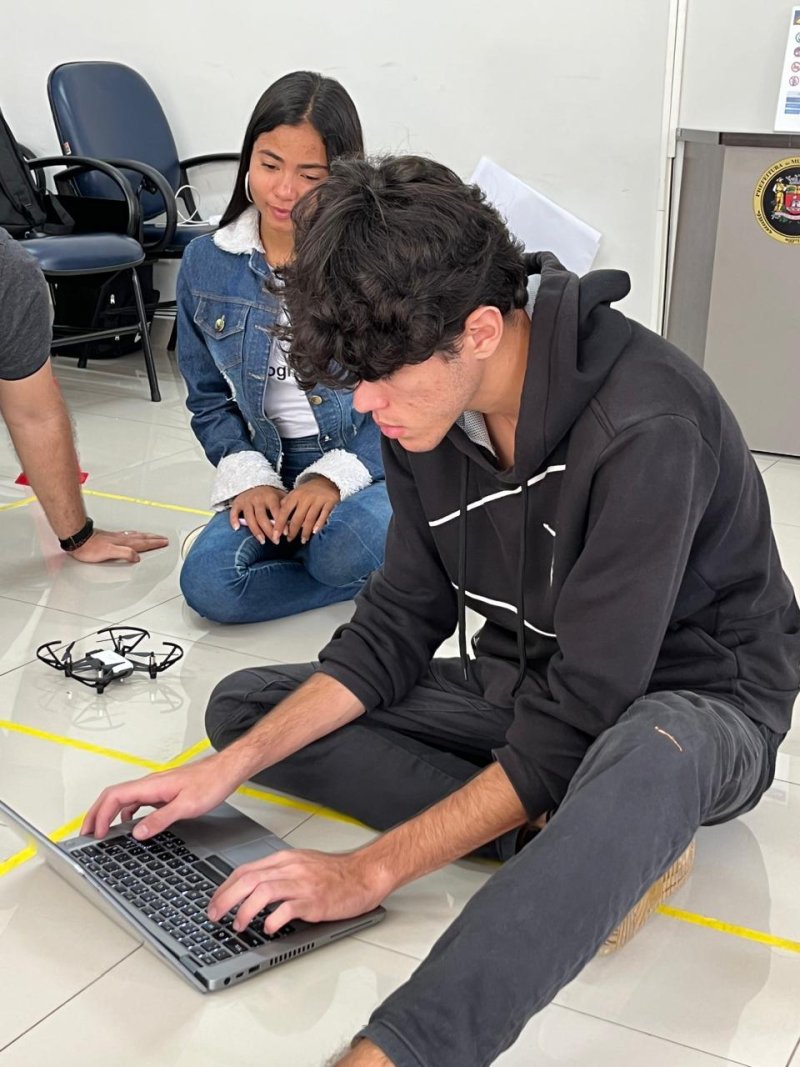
(151, 664)
(47, 654)
(120, 635)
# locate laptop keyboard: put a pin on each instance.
(171, 886)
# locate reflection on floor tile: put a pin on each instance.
(51, 785)
(782, 480)
(24, 627)
(125, 377)
(559, 1037)
(183, 479)
(53, 943)
(788, 763)
(294, 1016)
(719, 994)
(788, 539)
(296, 639)
(129, 405)
(109, 446)
(764, 460)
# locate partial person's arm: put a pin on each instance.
(38, 422)
(34, 411)
(320, 706)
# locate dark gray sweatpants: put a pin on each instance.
(674, 761)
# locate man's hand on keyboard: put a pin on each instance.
(315, 886)
(183, 793)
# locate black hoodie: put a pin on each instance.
(628, 550)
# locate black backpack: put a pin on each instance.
(20, 209)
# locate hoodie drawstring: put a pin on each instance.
(523, 541)
(462, 570)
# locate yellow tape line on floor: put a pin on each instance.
(184, 757)
(125, 499)
(729, 928)
(147, 503)
(17, 503)
(84, 746)
(25, 854)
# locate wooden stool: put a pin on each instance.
(670, 881)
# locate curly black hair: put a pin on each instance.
(391, 257)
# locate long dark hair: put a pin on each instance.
(301, 96)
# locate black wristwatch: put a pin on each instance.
(69, 544)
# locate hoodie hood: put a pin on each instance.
(576, 338)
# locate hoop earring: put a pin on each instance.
(247, 187)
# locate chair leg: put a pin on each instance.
(146, 348)
(173, 337)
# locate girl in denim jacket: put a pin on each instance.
(301, 503)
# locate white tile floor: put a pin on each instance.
(77, 990)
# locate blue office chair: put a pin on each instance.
(74, 254)
(108, 111)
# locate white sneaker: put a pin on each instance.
(190, 539)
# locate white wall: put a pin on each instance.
(732, 65)
(569, 96)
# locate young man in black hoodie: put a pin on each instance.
(575, 480)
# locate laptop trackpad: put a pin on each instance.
(226, 831)
(252, 850)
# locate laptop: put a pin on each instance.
(158, 890)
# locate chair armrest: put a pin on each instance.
(38, 178)
(210, 157)
(167, 194)
(87, 163)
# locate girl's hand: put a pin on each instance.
(305, 510)
(258, 509)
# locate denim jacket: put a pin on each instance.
(225, 315)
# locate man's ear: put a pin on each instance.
(483, 331)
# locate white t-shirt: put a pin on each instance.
(285, 403)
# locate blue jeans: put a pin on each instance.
(229, 577)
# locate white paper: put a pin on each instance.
(787, 117)
(538, 222)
